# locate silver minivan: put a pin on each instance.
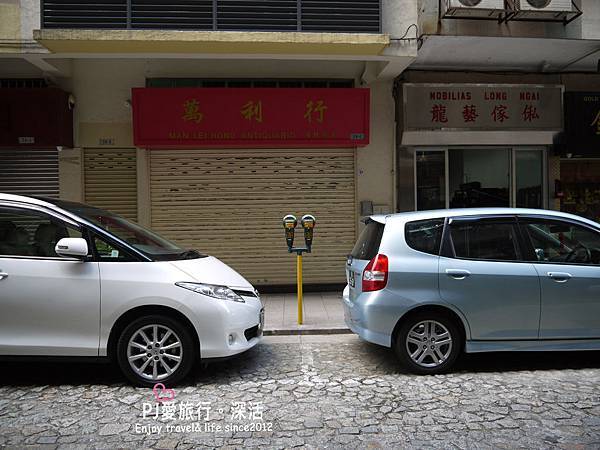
(433, 284)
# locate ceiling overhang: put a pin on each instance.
(209, 42)
(493, 53)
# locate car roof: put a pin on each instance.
(381, 218)
(41, 201)
(470, 212)
(27, 199)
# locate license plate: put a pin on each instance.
(261, 321)
(351, 280)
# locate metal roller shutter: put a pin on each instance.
(29, 172)
(111, 180)
(231, 206)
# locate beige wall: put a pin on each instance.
(18, 19)
(375, 162)
(10, 20)
(102, 89)
(70, 174)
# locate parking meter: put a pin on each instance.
(308, 223)
(289, 224)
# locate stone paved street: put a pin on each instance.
(313, 391)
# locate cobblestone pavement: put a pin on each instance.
(315, 391)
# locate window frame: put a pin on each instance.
(524, 219)
(380, 231)
(87, 231)
(444, 221)
(449, 251)
(94, 235)
(40, 211)
(514, 149)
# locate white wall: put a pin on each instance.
(590, 20)
(30, 18)
(397, 16)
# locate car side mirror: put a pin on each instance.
(75, 247)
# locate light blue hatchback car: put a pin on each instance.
(432, 284)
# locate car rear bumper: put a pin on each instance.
(356, 319)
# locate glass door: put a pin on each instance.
(479, 177)
(528, 188)
(430, 166)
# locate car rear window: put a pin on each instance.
(425, 235)
(368, 242)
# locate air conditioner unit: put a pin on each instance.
(546, 10)
(474, 9)
(546, 5)
(477, 4)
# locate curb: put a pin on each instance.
(305, 331)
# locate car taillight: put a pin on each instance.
(375, 275)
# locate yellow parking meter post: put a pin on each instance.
(289, 224)
(299, 281)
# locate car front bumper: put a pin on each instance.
(229, 328)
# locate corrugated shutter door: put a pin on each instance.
(231, 206)
(29, 172)
(111, 180)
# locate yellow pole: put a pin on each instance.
(299, 276)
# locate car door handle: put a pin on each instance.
(560, 277)
(3, 275)
(458, 274)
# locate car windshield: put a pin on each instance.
(142, 239)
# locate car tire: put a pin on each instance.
(432, 338)
(155, 349)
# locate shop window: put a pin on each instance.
(479, 177)
(239, 84)
(581, 188)
(431, 180)
(529, 178)
(247, 83)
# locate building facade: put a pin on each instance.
(209, 121)
(201, 188)
(488, 111)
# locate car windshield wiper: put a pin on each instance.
(191, 254)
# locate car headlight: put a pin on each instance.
(220, 292)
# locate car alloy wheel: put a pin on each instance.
(154, 352)
(429, 343)
(155, 349)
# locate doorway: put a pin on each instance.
(470, 177)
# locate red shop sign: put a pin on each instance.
(252, 118)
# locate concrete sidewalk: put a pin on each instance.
(323, 314)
